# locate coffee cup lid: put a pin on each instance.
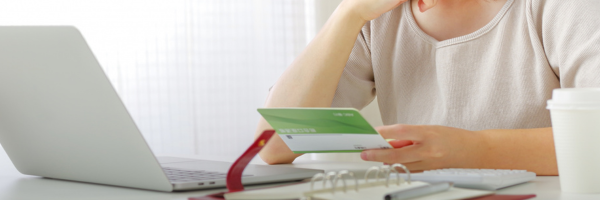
(575, 98)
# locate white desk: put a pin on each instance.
(15, 186)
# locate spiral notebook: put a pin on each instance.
(381, 182)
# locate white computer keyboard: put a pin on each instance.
(487, 179)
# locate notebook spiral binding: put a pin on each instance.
(385, 170)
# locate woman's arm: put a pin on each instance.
(312, 79)
(530, 149)
(434, 147)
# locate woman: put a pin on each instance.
(473, 76)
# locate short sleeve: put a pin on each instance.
(357, 86)
(570, 33)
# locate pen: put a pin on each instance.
(418, 191)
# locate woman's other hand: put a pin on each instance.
(371, 9)
(430, 147)
(425, 5)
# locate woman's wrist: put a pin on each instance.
(528, 149)
(347, 13)
(483, 147)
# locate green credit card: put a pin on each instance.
(323, 130)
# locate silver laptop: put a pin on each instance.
(61, 118)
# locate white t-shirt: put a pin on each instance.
(498, 77)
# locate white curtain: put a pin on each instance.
(191, 72)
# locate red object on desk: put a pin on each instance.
(504, 197)
(234, 175)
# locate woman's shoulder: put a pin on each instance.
(565, 9)
(395, 13)
(389, 23)
(559, 17)
(390, 19)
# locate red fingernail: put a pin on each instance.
(421, 6)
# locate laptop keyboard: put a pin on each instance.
(180, 175)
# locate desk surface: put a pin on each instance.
(16, 186)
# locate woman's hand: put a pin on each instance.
(430, 147)
(371, 9)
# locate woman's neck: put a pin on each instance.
(455, 18)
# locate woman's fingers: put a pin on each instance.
(371, 9)
(403, 155)
(401, 132)
(433, 147)
(425, 5)
(400, 143)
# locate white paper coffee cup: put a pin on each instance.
(575, 114)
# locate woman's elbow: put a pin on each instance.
(272, 158)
